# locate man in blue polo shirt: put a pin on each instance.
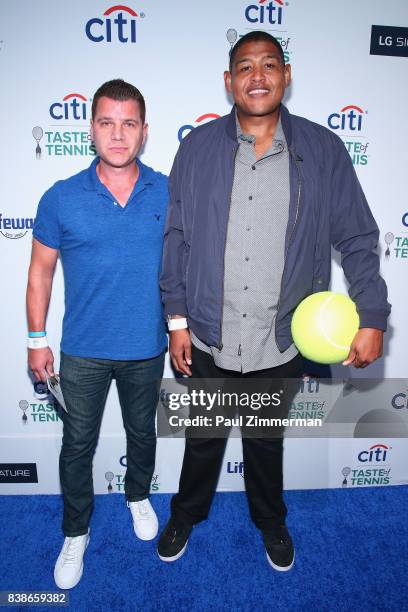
(107, 225)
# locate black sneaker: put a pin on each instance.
(173, 540)
(279, 548)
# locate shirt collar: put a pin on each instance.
(92, 182)
(279, 139)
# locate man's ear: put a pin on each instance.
(288, 74)
(227, 81)
(145, 132)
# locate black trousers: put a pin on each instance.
(263, 474)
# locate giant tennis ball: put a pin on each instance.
(323, 326)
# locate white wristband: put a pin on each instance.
(36, 343)
(174, 324)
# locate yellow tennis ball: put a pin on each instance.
(324, 325)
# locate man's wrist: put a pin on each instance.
(37, 343)
(176, 322)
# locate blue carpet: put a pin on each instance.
(351, 555)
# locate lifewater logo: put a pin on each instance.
(235, 467)
(14, 228)
(117, 481)
(371, 470)
(186, 129)
(62, 138)
(118, 24)
(265, 13)
(349, 122)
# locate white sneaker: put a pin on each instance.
(69, 566)
(145, 521)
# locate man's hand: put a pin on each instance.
(366, 347)
(180, 350)
(41, 363)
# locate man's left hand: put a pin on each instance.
(366, 347)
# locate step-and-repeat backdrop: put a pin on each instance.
(349, 64)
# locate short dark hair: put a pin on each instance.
(255, 36)
(118, 89)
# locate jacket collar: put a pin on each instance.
(285, 118)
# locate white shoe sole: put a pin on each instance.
(179, 554)
(77, 577)
(279, 568)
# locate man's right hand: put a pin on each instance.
(41, 362)
(180, 350)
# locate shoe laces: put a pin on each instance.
(70, 551)
(141, 509)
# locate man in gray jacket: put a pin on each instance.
(257, 199)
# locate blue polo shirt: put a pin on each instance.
(111, 257)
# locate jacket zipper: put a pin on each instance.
(225, 247)
(291, 233)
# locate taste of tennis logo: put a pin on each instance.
(397, 244)
(38, 412)
(186, 129)
(349, 123)
(372, 468)
(116, 482)
(67, 134)
(117, 24)
(308, 404)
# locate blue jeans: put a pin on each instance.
(85, 384)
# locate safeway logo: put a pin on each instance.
(186, 129)
(271, 13)
(73, 107)
(376, 453)
(118, 24)
(349, 118)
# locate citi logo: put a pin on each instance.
(73, 106)
(118, 24)
(376, 453)
(349, 118)
(186, 129)
(271, 13)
